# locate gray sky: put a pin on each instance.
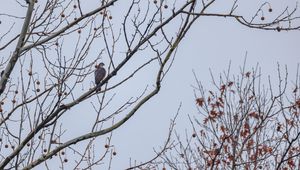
(211, 44)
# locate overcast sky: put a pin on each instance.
(211, 44)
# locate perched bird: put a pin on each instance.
(100, 73)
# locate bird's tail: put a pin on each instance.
(98, 89)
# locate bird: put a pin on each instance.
(100, 73)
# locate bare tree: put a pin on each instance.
(242, 124)
(48, 64)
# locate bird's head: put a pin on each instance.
(101, 64)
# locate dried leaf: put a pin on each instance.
(200, 101)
